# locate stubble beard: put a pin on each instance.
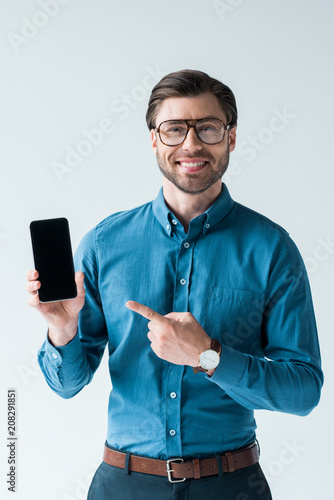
(194, 183)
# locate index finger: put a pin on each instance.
(146, 312)
(32, 275)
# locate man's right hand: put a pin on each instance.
(62, 316)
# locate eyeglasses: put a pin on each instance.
(208, 130)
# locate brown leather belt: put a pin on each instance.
(194, 468)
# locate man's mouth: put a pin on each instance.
(192, 166)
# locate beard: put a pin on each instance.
(194, 183)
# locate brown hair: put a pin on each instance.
(191, 83)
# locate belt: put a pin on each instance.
(195, 468)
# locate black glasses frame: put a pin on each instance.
(226, 127)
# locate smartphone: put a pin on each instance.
(53, 258)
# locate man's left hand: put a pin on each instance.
(176, 337)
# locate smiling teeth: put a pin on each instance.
(195, 164)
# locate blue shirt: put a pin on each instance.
(243, 279)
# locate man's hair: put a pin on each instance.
(191, 83)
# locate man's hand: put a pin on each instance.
(62, 316)
(176, 337)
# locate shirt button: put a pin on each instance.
(186, 245)
(54, 356)
(172, 432)
(174, 221)
(173, 395)
(183, 281)
(207, 225)
(168, 227)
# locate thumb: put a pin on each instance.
(79, 280)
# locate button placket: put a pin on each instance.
(173, 409)
(183, 267)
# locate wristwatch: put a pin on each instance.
(209, 359)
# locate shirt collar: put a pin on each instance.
(218, 210)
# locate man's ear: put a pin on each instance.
(232, 138)
(154, 141)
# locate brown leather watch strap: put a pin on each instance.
(195, 468)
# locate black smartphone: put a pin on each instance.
(53, 258)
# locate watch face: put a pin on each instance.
(209, 359)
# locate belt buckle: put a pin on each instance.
(169, 470)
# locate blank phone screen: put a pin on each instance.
(53, 259)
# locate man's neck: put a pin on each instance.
(188, 206)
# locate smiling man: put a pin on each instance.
(193, 157)
(206, 309)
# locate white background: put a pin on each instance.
(73, 71)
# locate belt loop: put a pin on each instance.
(219, 465)
(127, 462)
(230, 461)
(197, 469)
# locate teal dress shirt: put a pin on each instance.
(243, 279)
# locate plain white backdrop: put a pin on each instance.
(69, 67)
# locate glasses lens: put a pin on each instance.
(173, 133)
(210, 131)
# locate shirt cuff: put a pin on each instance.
(62, 355)
(231, 368)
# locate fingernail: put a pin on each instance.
(129, 303)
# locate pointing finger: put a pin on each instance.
(146, 312)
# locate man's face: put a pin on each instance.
(193, 167)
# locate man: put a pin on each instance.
(224, 295)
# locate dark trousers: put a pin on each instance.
(112, 483)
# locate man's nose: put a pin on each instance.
(192, 142)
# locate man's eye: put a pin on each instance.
(175, 130)
(208, 128)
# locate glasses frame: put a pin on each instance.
(226, 127)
